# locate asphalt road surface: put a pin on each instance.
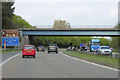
(7, 55)
(53, 65)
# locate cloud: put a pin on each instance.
(47, 9)
(76, 13)
(112, 13)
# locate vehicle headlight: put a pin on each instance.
(110, 50)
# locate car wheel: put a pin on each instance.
(34, 56)
(48, 51)
(108, 54)
(22, 56)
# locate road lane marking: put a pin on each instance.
(9, 59)
(90, 62)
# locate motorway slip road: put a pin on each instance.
(53, 65)
(7, 55)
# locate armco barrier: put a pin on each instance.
(96, 53)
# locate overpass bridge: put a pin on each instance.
(27, 32)
(71, 32)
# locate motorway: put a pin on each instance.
(53, 65)
(7, 55)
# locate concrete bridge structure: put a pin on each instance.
(25, 33)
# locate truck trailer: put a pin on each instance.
(94, 45)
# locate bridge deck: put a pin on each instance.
(74, 29)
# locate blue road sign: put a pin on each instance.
(10, 41)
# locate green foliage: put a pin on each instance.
(105, 42)
(64, 42)
(10, 20)
(104, 60)
(7, 13)
(117, 27)
(19, 22)
(115, 42)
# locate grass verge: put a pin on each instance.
(116, 51)
(10, 51)
(103, 60)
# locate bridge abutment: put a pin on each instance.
(24, 40)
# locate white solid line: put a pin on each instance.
(90, 62)
(8, 59)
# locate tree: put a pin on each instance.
(117, 27)
(10, 20)
(104, 42)
(61, 25)
(19, 22)
(115, 42)
(7, 14)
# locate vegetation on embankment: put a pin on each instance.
(103, 60)
(64, 41)
(10, 51)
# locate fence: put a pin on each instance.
(116, 55)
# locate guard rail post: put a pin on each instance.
(111, 55)
(116, 55)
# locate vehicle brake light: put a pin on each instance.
(24, 50)
(33, 50)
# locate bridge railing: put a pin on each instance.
(81, 26)
(94, 26)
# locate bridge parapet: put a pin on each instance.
(75, 29)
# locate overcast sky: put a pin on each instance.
(76, 12)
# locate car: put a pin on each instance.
(28, 50)
(73, 48)
(52, 48)
(69, 49)
(40, 48)
(104, 50)
(88, 48)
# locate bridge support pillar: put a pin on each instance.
(0, 24)
(24, 40)
(21, 38)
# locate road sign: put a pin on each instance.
(10, 33)
(10, 41)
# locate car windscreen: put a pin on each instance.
(95, 43)
(105, 48)
(52, 45)
(29, 47)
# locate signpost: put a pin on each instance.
(10, 37)
(10, 41)
(5, 45)
(10, 33)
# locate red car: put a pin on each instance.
(28, 50)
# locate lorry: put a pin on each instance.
(83, 46)
(94, 45)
